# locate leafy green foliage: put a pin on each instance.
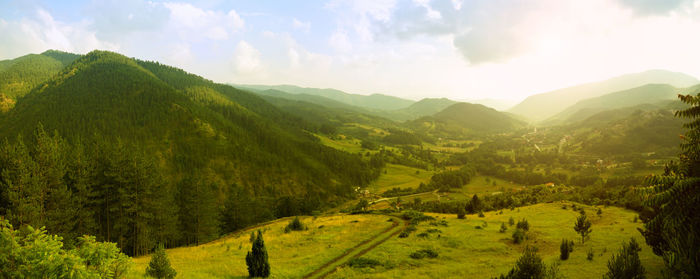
(626, 263)
(32, 253)
(294, 225)
(531, 266)
(364, 262)
(159, 267)
(424, 253)
(565, 248)
(518, 236)
(671, 222)
(523, 225)
(256, 259)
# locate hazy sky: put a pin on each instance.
(448, 48)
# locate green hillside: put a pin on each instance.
(542, 106)
(646, 94)
(373, 101)
(465, 119)
(18, 76)
(424, 107)
(198, 150)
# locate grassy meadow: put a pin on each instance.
(466, 251)
(292, 255)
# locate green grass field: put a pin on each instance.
(292, 255)
(399, 176)
(468, 252)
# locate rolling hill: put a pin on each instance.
(466, 118)
(201, 146)
(542, 106)
(373, 101)
(18, 76)
(646, 94)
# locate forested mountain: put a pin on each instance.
(18, 76)
(466, 118)
(542, 106)
(424, 107)
(146, 153)
(646, 94)
(373, 101)
(497, 104)
(308, 98)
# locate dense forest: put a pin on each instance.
(140, 153)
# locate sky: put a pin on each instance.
(459, 49)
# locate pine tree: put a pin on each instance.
(159, 267)
(583, 226)
(672, 227)
(199, 215)
(626, 264)
(256, 259)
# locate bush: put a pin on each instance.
(159, 267)
(523, 225)
(294, 225)
(423, 235)
(504, 228)
(626, 263)
(415, 217)
(407, 231)
(600, 212)
(461, 214)
(424, 253)
(257, 260)
(511, 222)
(518, 236)
(364, 262)
(481, 214)
(589, 255)
(564, 249)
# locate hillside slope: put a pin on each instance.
(466, 118)
(646, 94)
(373, 101)
(542, 106)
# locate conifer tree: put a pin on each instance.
(583, 226)
(159, 267)
(256, 259)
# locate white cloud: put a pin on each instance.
(299, 25)
(193, 23)
(246, 59)
(41, 32)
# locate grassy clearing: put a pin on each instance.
(468, 252)
(400, 176)
(291, 255)
(347, 145)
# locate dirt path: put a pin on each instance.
(357, 250)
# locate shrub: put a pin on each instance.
(626, 263)
(423, 235)
(511, 222)
(159, 267)
(433, 231)
(461, 214)
(364, 262)
(504, 228)
(407, 231)
(589, 255)
(439, 223)
(424, 253)
(481, 214)
(518, 236)
(294, 225)
(415, 217)
(564, 249)
(523, 225)
(600, 212)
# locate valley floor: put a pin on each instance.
(465, 251)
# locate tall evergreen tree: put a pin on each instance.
(626, 264)
(199, 214)
(256, 259)
(672, 222)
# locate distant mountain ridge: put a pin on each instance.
(542, 106)
(373, 101)
(646, 94)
